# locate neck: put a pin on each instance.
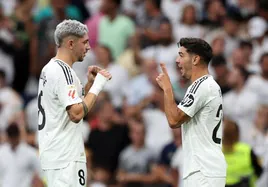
(228, 148)
(212, 17)
(112, 15)
(105, 65)
(65, 56)
(138, 146)
(239, 88)
(154, 13)
(200, 72)
(14, 146)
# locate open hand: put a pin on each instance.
(163, 79)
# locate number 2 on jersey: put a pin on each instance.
(42, 111)
(215, 130)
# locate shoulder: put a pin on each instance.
(242, 146)
(63, 71)
(126, 152)
(125, 19)
(3, 147)
(201, 85)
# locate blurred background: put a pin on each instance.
(127, 137)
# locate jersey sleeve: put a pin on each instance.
(195, 98)
(66, 90)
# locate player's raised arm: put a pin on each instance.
(175, 116)
(78, 111)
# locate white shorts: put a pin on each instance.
(197, 179)
(74, 175)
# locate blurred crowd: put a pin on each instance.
(127, 137)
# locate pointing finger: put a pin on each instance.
(164, 69)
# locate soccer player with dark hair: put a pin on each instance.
(199, 114)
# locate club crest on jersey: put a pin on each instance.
(188, 100)
(71, 94)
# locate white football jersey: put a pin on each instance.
(202, 134)
(60, 140)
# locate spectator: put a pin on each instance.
(188, 26)
(19, 163)
(114, 29)
(6, 48)
(221, 71)
(218, 45)
(158, 131)
(148, 27)
(173, 10)
(214, 13)
(245, 8)
(139, 90)
(135, 162)
(259, 83)
(130, 59)
(236, 103)
(24, 44)
(166, 51)
(259, 133)
(134, 9)
(242, 162)
(8, 107)
(47, 20)
(180, 86)
(258, 36)
(92, 24)
(120, 78)
(107, 140)
(58, 6)
(167, 168)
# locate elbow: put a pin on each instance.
(174, 124)
(75, 119)
(75, 116)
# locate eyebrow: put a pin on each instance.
(180, 53)
(85, 41)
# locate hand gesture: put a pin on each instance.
(163, 79)
(106, 74)
(92, 72)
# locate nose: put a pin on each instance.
(88, 47)
(177, 61)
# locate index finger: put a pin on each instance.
(164, 69)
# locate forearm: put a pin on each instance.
(171, 108)
(88, 86)
(77, 112)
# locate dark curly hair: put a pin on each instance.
(197, 46)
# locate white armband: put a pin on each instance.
(98, 84)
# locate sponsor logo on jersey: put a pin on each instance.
(71, 94)
(188, 100)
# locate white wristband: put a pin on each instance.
(98, 84)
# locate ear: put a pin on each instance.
(70, 44)
(195, 60)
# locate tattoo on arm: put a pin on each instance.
(85, 108)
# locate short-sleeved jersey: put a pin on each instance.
(60, 139)
(202, 134)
